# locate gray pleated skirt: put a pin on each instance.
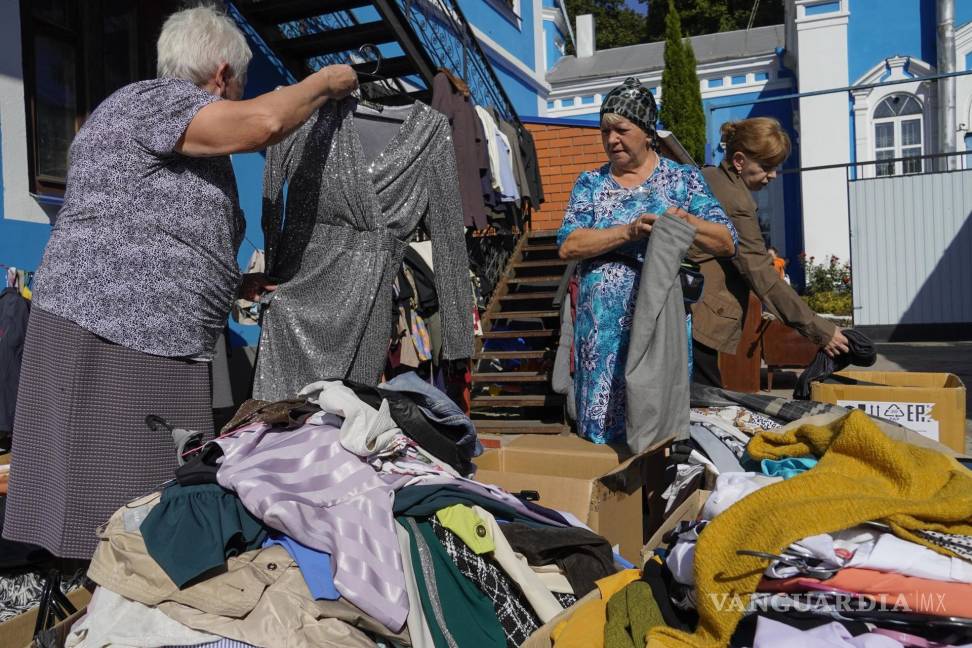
(81, 448)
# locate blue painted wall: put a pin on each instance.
(872, 35)
(551, 34)
(963, 12)
(521, 93)
(514, 36)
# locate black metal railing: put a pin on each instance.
(449, 39)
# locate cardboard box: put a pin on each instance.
(932, 404)
(19, 631)
(687, 511)
(601, 485)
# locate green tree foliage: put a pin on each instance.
(681, 104)
(711, 16)
(614, 24)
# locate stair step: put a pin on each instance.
(511, 355)
(547, 294)
(510, 376)
(335, 40)
(541, 247)
(512, 335)
(289, 10)
(523, 400)
(545, 279)
(534, 314)
(549, 263)
(506, 426)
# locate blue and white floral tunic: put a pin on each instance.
(609, 283)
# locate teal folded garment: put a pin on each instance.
(786, 468)
(194, 529)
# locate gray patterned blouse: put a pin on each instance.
(143, 252)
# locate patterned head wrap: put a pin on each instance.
(635, 103)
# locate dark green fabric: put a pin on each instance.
(437, 637)
(194, 529)
(469, 614)
(422, 501)
(631, 613)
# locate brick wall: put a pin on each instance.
(564, 152)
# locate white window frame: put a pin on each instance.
(897, 68)
(897, 148)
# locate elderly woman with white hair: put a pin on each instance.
(137, 280)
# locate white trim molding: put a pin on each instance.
(895, 68)
(513, 64)
(723, 70)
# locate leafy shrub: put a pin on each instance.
(831, 303)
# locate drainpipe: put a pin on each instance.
(570, 30)
(947, 126)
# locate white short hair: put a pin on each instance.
(195, 42)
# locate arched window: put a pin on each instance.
(898, 134)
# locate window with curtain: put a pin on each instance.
(898, 134)
(76, 53)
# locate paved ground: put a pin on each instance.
(940, 357)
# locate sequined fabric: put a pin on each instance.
(336, 242)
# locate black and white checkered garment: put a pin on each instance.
(81, 448)
(512, 609)
(565, 600)
(960, 545)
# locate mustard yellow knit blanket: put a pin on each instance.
(862, 475)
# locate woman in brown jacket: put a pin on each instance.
(754, 149)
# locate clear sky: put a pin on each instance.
(637, 6)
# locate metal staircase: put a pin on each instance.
(414, 38)
(512, 393)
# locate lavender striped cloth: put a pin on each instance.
(304, 483)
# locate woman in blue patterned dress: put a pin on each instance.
(608, 219)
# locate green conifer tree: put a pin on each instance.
(681, 98)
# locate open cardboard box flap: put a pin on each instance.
(601, 485)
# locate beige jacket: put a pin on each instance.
(261, 598)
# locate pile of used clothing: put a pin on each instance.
(346, 517)
(834, 529)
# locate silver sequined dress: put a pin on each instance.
(337, 249)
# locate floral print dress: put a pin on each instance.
(609, 283)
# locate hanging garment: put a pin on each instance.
(245, 311)
(14, 312)
(509, 191)
(531, 166)
(909, 487)
(331, 500)
(656, 370)
(337, 250)
(492, 148)
(468, 140)
(516, 155)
